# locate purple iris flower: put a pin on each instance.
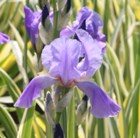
(32, 20)
(70, 63)
(4, 38)
(91, 22)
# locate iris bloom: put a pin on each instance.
(70, 63)
(4, 38)
(91, 22)
(32, 20)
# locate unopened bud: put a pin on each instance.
(57, 93)
(61, 4)
(60, 100)
(82, 110)
(49, 102)
(42, 3)
(63, 20)
(67, 6)
(32, 20)
(45, 35)
(64, 15)
(63, 102)
(45, 16)
(49, 109)
(38, 45)
(58, 132)
(45, 27)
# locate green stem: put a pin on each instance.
(71, 121)
(76, 131)
(95, 6)
(84, 2)
(64, 116)
(55, 33)
(25, 51)
(49, 130)
(64, 122)
(25, 47)
(27, 2)
(58, 115)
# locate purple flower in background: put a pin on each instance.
(91, 22)
(32, 20)
(4, 38)
(69, 63)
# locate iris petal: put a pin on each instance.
(63, 60)
(82, 15)
(102, 104)
(47, 57)
(89, 21)
(80, 18)
(32, 20)
(32, 91)
(94, 23)
(67, 32)
(4, 38)
(93, 53)
(29, 17)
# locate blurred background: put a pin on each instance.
(119, 75)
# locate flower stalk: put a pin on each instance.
(64, 122)
(55, 22)
(25, 47)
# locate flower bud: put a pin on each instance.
(63, 20)
(67, 6)
(49, 109)
(63, 102)
(45, 17)
(46, 36)
(60, 100)
(64, 15)
(61, 4)
(57, 94)
(82, 110)
(42, 3)
(38, 45)
(45, 27)
(32, 20)
(58, 132)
